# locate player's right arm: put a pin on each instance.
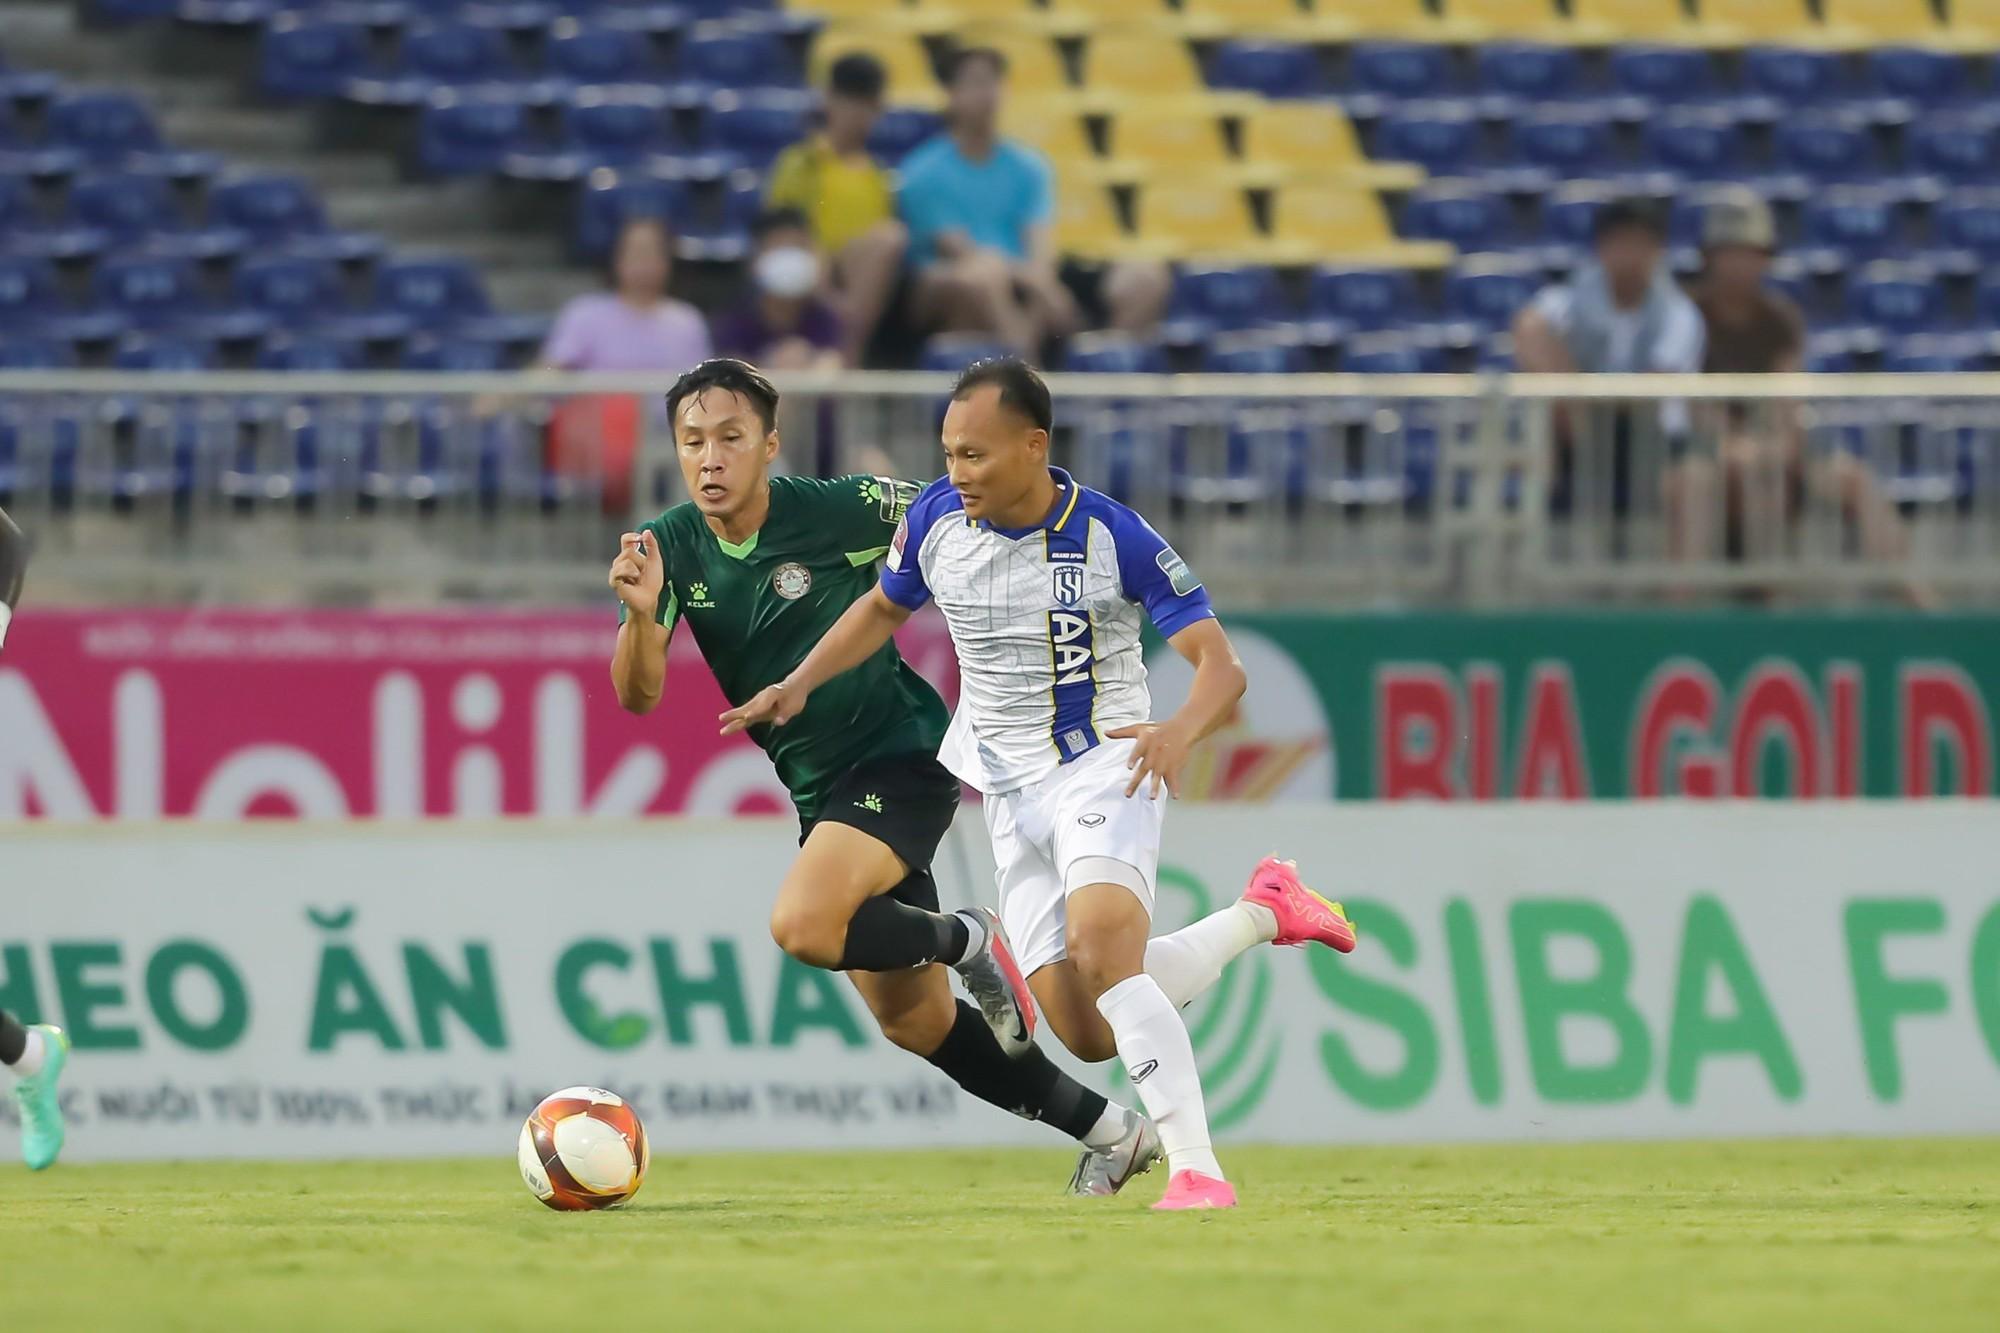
(13, 568)
(646, 610)
(857, 636)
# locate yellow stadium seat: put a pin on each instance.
(1536, 19)
(1177, 220)
(951, 17)
(1052, 124)
(1877, 22)
(1313, 224)
(859, 11)
(1085, 16)
(1663, 21)
(1315, 141)
(1034, 66)
(912, 77)
(1087, 223)
(1975, 24)
(1411, 20)
(1143, 61)
(1170, 138)
(1277, 18)
(1773, 22)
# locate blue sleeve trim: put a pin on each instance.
(1150, 572)
(903, 573)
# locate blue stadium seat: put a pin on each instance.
(125, 205)
(1442, 137)
(1382, 354)
(1827, 147)
(1965, 150)
(1900, 297)
(1663, 73)
(1227, 297)
(1934, 354)
(434, 293)
(716, 227)
(1254, 352)
(433, 58)
(1274, 69)
(596, 54)
(169, 353)
(1702, 145)
(1401, 70)
(151, 291)
(35, 354)
(267, 207)
(727, 56)
(1367, 298)
(1795, 76)
(310, 353)
(1489, 290)
(1970, 220)
(1469, 218)
(450, 354)
(1523, 70)
(755, 125)
(604, 206)
(300, 57)
(1852, 222)
(297, 291)
(1921, 76)
(101, 126)
(612, 126)
(955, 351)
(1112, 353)
(1989, 300)
(27, 291)
(1569, 213)
(459, 135)
(1568, 141)
(900, 129)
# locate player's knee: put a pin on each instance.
(807, 937)
(1100, 962)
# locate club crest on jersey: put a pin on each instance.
(1069, 584)
(791, 580)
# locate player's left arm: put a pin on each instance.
(13, 569)
(1152, 574)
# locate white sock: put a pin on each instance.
(30, 1063)
(1189, 961)
(1153, 1043)
(1110, 1127)
(975, 937)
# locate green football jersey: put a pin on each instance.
(757, 609)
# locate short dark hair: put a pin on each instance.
(786, 218)
(968, 55)
(1022, 391)
(731, 376)
(857, 74)
(1627, 215)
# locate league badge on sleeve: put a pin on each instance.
(895, 560)
(1177, 571)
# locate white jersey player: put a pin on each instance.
(1043, 584)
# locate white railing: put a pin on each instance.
(1281, 489)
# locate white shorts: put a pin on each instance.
(1074, 827)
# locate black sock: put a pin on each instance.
(887, 936)
(1030, 1085)
(13, 1039)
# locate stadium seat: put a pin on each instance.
(1770, 22)
(462, 135)
(268, 207)
(434, 57)
(1795, 76)
(1638, 21)
(455, 355)
(1054, 125)
(1180, 219)
(1258, 18)
(1489, 290)
(1227, 296)
(300, 57)
(954, 351)
(1112, 353)
(1329, 223)
(1924, 77)
(1315, 141)
(1534, 20)
(1171, 140)
(912, 77)
(1365, 298)
(723, 56)
(1569, 141)
(755, 125)
(1851, 221)
(1900, 297)
(901, 128)
(1933, 354)
(1989, 300)
(595, 53)
(27, 291)
(156, 353)
(1443, 138)
(1141, 62)
(1702, 145)
(36, 354)
(1827, 147)
(309, 353)
(1406, 70)
(433, 293)
(294, 290)
(1974, 25)
(1382, 353)
(101, 126)
(1970, 220)
(1087, 16)
(1468, 217)
(716, 227)
(1034, 66)
(1663, 73)
(1087, 225)
(1876, 22)
(1271, 69)
(126, 205)
(1569, 213)
(607, 204)
(1254, 352)
(617, 124)
(150, 290)
(1526, 70)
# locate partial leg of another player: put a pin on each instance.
(35, 1056)
(1276, 908)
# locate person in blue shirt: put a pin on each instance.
(980, 210)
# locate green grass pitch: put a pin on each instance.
(1785, 1235)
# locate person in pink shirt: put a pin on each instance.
(635, 326)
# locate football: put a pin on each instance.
(583, 1148)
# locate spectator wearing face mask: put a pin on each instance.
(783, 324)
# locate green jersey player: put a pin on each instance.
(33, 1054)
(761, 567)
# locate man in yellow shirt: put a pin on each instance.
(849, 198)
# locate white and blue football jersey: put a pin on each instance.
(1046, 622)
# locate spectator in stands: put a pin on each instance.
(1760, 460)
(635, 326)
(782, 324)
(980, 209)
(849, 200)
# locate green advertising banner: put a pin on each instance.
(1604, 705)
